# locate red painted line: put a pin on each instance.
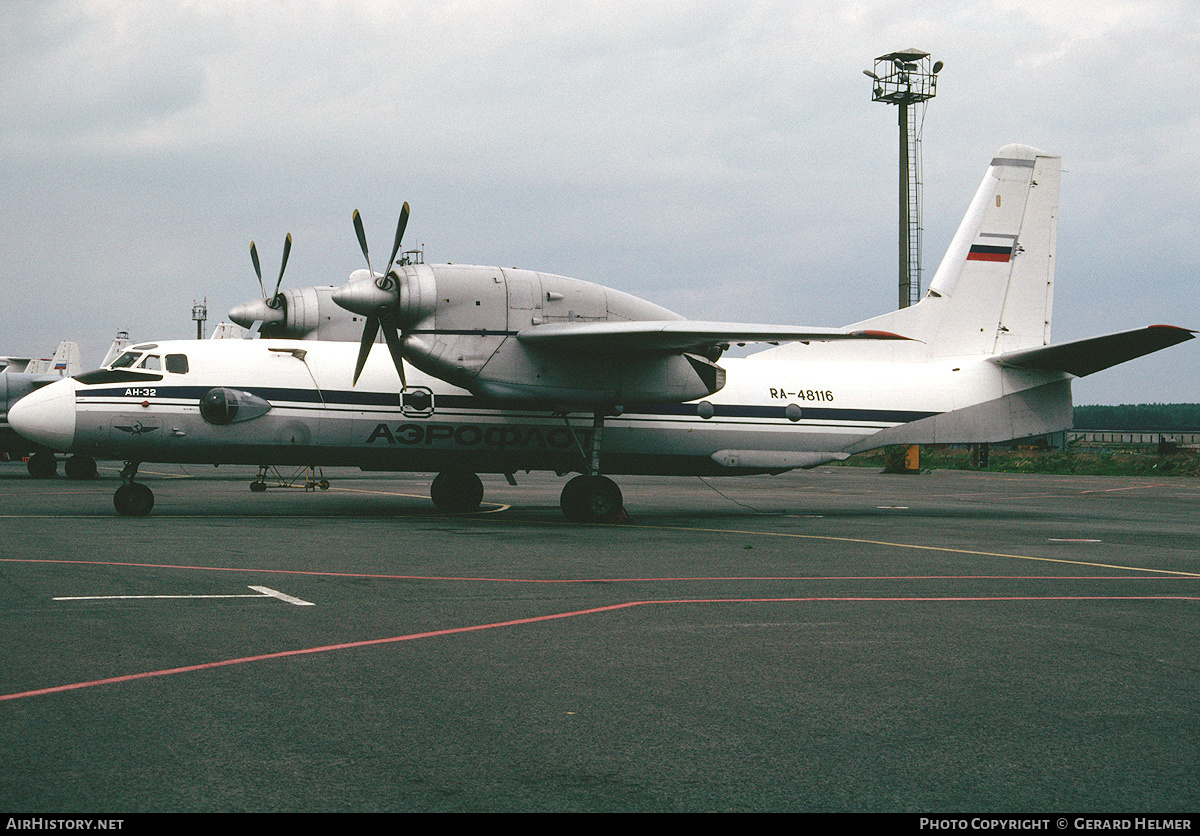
(451, 631)
(921, 598)
(323, 649)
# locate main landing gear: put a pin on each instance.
(45, 466)
(132, 499)
(42, 466)
(456, 491)
(80, 467)
(587, 498)
(590, 497)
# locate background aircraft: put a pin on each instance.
(18, 377)
(65, 360)
(503, 370)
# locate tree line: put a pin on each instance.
(1145, 416)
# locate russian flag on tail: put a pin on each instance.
(984, 252)
(998, 248)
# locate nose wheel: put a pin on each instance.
(132, 499)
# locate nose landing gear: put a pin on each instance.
(132, 499)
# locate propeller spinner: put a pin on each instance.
(377, 298)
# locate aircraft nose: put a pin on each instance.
(47, 415)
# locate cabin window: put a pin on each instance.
(151, 363)
(177, 363)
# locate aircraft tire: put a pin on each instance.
(591, 499)
(456, 492)
(258, 487)
(80, 467)
(42, 466)
(134, 500)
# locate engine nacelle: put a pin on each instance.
(470, 340)
(505, 370)
(306, 313)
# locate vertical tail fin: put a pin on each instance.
(64, 363)
(66, 360)
(994, 289)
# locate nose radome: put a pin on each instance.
(47, 415)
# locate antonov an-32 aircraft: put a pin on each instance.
(496, 370)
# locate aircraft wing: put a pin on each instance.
(676, 335)
(1082, 357)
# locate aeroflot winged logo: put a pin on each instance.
(137, 428)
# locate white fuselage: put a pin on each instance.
(773, 414)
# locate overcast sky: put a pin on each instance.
(723, 159)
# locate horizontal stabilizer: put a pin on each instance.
(677, 335)
(1082, 357)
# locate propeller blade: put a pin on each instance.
(364, 348)
(362, 238)
(399, 234)
(371, 330)
(257, 269)
(397, 351)
(287, 248)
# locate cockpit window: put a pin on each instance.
(151, 363)
(126, 360)
(177, 363)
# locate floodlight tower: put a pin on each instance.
(906, 78)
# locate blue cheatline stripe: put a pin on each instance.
(341, 399)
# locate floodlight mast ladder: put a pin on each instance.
(906, 78)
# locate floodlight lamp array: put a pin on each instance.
(904, 77)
